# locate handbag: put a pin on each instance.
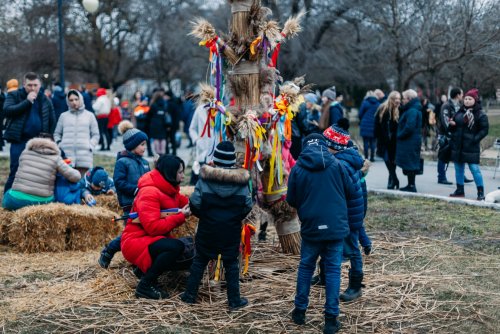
(444, 152)
(189, 249)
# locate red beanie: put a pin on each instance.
(101, 92)
(474, 93)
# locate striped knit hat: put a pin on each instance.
(132, 137)
(336, 138)
(224, 155)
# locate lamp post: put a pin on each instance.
(91, 6)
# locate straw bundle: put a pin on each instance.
(244, 81)
(205, 31)
(5, 220)
(240, 23)
(287, 227)
(109, 202)
(58, 227)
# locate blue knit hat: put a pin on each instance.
(132, 137)
(99, 178)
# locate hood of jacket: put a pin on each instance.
(43, 146)
(413, 104)
(372, 100)
(352, 157)
(127, 154)
(59, 93)
(80, 98)
(315, 157)
(222, 181)
(155, 179)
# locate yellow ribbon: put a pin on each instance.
(272, 161)
(254, 44)
(217, 269)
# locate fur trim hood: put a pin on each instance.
(43, 146)
(225, 175)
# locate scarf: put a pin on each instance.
(469, 118)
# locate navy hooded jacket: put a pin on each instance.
(318, 187)
(129, 168)
(367, 113)
(353, 163)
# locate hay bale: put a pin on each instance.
(188, 229)
(57, 227)
(109, 202)
(5, 220)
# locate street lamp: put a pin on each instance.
(91, 6)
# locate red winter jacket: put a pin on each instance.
(114, 118)
(155, 194)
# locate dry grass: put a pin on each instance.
(414, 285)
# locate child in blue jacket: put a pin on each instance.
(129, 167)
(96, 182)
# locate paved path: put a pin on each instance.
(427, 183)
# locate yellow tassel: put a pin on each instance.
(272, 161)
(217, 269)
(254, 45)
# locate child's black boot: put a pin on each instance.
(105, 258)
(235, 301)
(332, 325)
(353, 291)
(299, 316)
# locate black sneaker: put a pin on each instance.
(409, 189)
(235, 306)
(149, 290)
(445, 182)
(466, 180)
(367, 250)
(299, 316)
(332, 325)
(350, 294)
(105, 259)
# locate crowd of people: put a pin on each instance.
(51, 160)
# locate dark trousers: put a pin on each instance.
(171, 141)
(232, 271)
(164, 254)
(109, 136)
(15, 152)
(369, 145)
(441, 171)
(103, 132)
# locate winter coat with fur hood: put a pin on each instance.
(38, 165)
(221, 199)
(77, 134)
(155, 194)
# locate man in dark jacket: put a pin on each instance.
(28, 112)
(319, 187)
(59, 100)
(446, 113)
(221, 199)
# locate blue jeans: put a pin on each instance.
(115, 245)
(331, 254)
(352, 252)
(474, 169)
(364, 239)
(369, 143)
(441, 171)
(15, 152)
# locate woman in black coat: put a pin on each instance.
(157, 122)
(409, 138)
(468, 127)
(386, 130)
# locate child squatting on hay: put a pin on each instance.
(319, 188)
(34, 181)
(148, 244)
(129, 167)
(221, 200)
(96, 182)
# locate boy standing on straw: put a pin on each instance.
(337, 140)
(318, 187)
(129, 167)
(221, 199)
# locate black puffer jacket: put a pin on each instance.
(465, 142)
(16, 109)
(221, 199)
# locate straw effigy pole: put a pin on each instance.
(260, 121)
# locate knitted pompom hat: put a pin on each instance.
(132, 137)
(336, 138)
(224, 154)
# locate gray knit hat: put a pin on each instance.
(330, 93)
(132, 137)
